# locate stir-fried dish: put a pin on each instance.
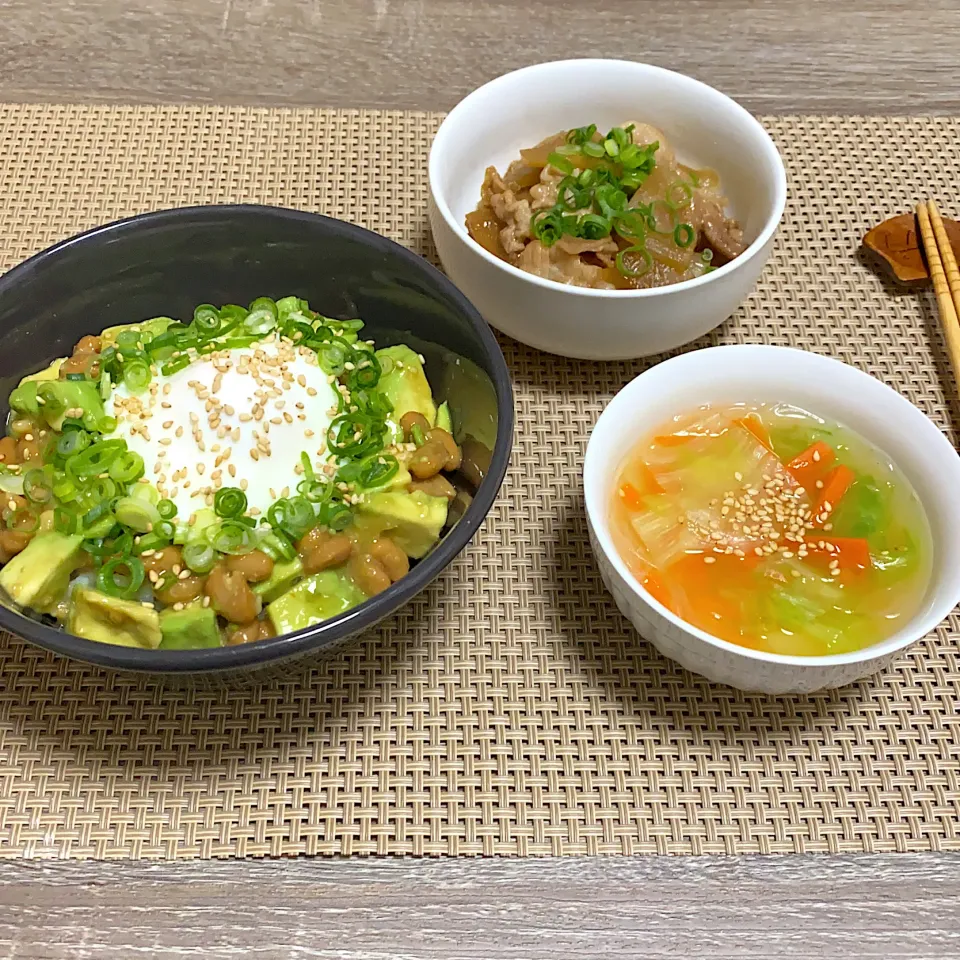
(611, 212)
(249, 473)
(768, 527)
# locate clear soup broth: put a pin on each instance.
(770, 528)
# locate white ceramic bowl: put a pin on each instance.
(825, 387)
(517, 110)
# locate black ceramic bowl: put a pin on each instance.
(164, 264)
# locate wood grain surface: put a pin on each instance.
(776, 56)
(790, 908)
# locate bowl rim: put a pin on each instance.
(770, 226)
(599, 524)
(275, 650)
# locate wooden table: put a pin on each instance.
(842, 56)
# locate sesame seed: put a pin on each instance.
(206, 601)
(254, 453)
(244, 484)
(166, 441)
(167, 424)
(244, 417)
(228, 410)
(709, 559)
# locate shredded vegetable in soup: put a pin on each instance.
(248, 473)
(610, 212)
(768, 527)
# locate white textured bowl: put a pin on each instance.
(517, 110)
(825, 387)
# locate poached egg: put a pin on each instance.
(234, 418)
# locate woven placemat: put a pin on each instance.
(510, 709)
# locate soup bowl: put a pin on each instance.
(707, 129)
(164, 264)
(830, 389)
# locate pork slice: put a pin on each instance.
(553, 263)
(575, 246)
(544, 193)
(722, 234)
(514, 213)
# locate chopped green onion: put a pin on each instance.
(151, 541)
(262, 317)
(336, 515)
(167, 509)
(229, 502)
(656, 223)
(416, 433)
(65, 521)
(610, 199)
(37, 486)
(631, 225)
(172, 366)
(128, 340)
(22, 520)
(684, 235)
(95, 459)
(137, 513)
(127, 468)
(315, 489)
(293, 515)
(635, 251)
(137, 375)
(277, 546)
(377, 470)
(334, 356)
(308, 471)
(366, 374)
(559, 162)
(199, 556)
(73, 442)
(547, 227)
(76, 376)
(165, 528)
(106, 424)
(355, 435)
(206, 319)
(121, 577)
(581, 135)
(231, 536)
(679, 194)
(592, 149)
(707, 255)
(594, 227)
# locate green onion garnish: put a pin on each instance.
(199, 556)
(65, 521)
(684, 235)
(627, 269)
(127, 467)
(167, 509)
(121, 577)
(335, 515)
(233, 537)
(37, 486)
(73, 442)
(229, 502)
(137, 375)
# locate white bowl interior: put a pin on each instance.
(705, 127)
(826, 387)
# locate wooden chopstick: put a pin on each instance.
(945, 276)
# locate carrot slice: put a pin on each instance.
(852, 553)
(810, 466)
(834, 487)
(654, 584)
(753, 425)
(631, 497)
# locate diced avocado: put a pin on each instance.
(189, 629)
(188, 533)
(413, 520)
(318, 598)
(285, 574)
(51, 372)
(473, 400)
(404, 383)
(24, 399)
(55, 398)
(127, 623)
(37, 577)
(154, 327)
(444, 420)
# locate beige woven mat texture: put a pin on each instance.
(509, 710)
